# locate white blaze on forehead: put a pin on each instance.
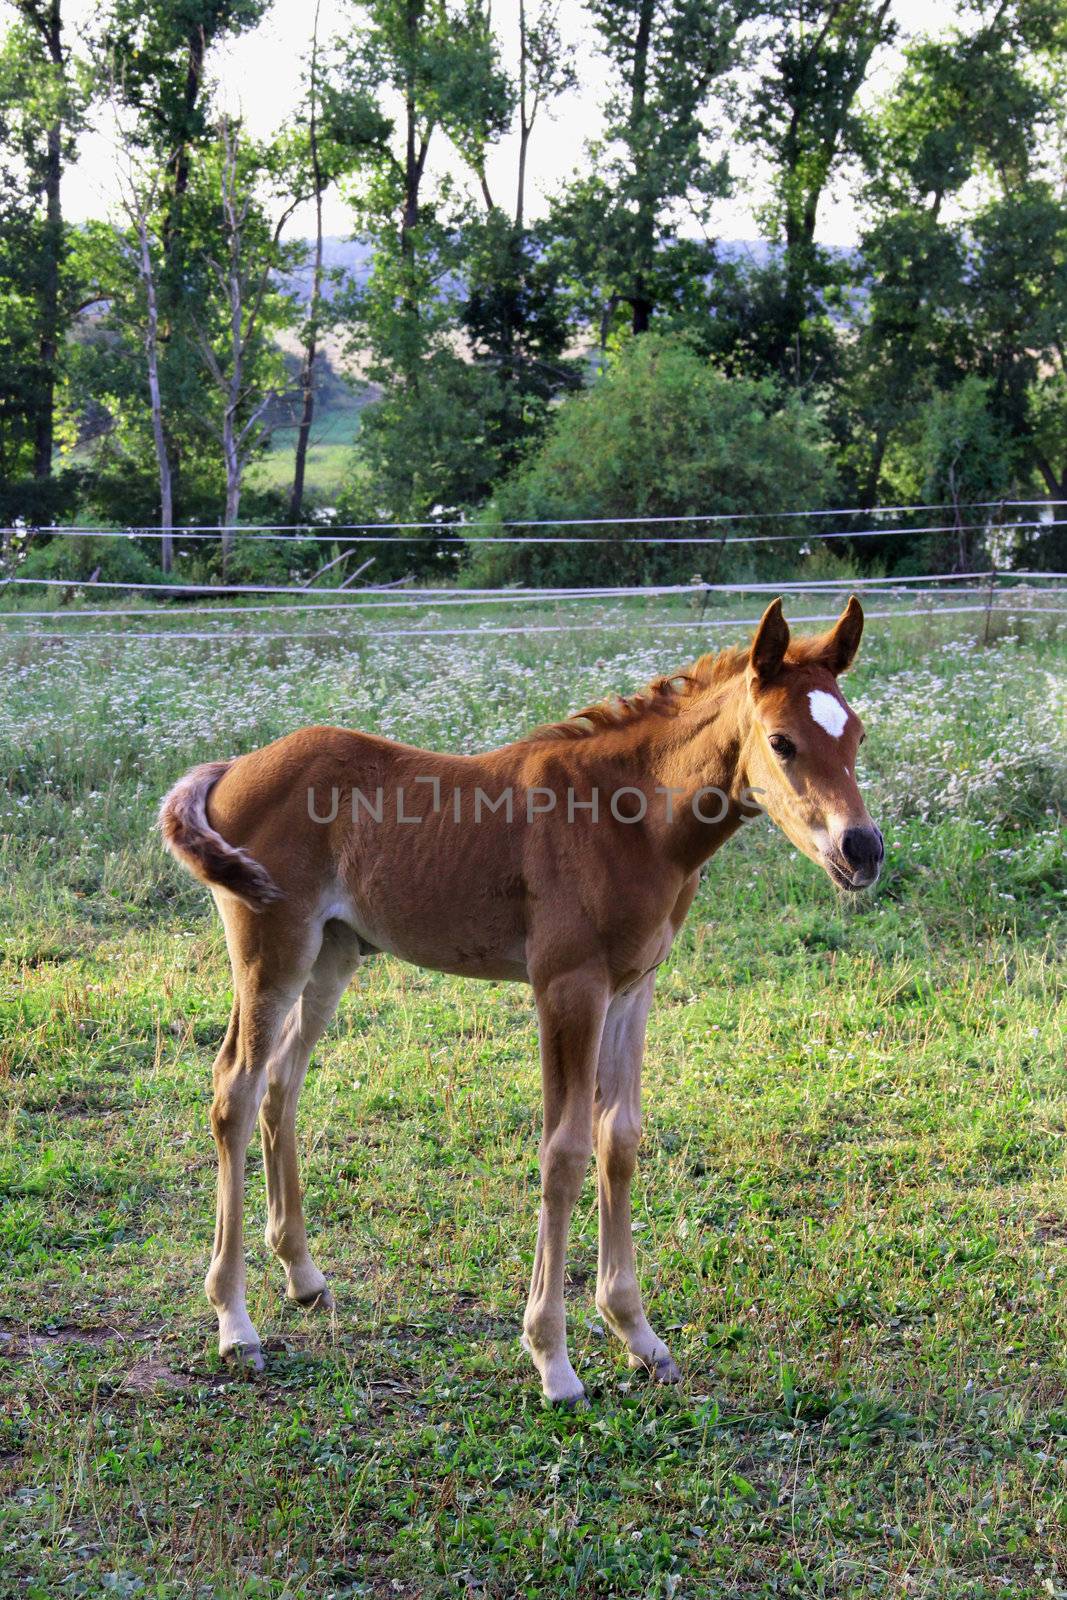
(828, 712)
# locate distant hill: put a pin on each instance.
(353, 258)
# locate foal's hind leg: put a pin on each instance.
(286, 1069)
(271, 964)
(617, 1129)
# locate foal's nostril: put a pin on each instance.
(862, 847)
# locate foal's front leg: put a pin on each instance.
(617, 1117)
(571, 1012)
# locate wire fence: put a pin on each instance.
(428, 636)
(373, 533)
(326, 530)
(990, 589)
(372, 600)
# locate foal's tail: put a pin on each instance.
(191, 839)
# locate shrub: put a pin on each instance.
(119, 560)
(662, 433)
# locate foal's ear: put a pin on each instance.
(770, 644)
(837, 650)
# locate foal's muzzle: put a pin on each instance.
(857, 861)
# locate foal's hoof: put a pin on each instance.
(566, 1402)
(248, 1358)
(663, 1370)
(320, 1300)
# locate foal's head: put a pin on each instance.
(799, 751)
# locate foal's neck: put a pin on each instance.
(694, 758)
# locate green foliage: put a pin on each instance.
(157, 51)
(447, 429)
(964, 456)
(661, 433)
(474, 326)
(42, 101)
(956, 454)
(266, 561)
(978, 290)
(515, 314)
(425, 451)
(117, 560)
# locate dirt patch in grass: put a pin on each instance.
(16, 1340)
(149, 1374)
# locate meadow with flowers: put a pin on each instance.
(851, 1208)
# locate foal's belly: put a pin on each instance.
(464, 939)
(463, 959)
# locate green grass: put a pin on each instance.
(329, 456)
(851, 1207)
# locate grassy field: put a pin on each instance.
(329, 451)
(851, 1208)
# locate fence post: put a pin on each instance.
(989, 604)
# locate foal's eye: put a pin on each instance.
(782, 746)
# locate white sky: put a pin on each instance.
(259, 75)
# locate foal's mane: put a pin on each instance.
(664, 697)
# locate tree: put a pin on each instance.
(235, 324)
(802, 119)
(1017, 280)
(440, 59)
(338, 127)
(43, 105)
(977, 288)
(157, 56)
(139, 202)
(514, 313)
(44, 20)
(18, 342)
(959, 457)
(546, 71)
(518, 324)
(617, 224)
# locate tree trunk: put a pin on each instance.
(50, 26)
(233, 492)
(231, 455)
(173, 235)
(166, 494)
(230, 442)
(520, 191)
(1056, 485)
(307, 369)
(307, 375)
(642, 309)
(194, 76)
(415, 152)
(524, 122)
(410, 216)
(641, 303)
(874, 470)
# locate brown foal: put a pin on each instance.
(567, 860)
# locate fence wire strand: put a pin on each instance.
(429, 635)
(309, 530)
(349, 534)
